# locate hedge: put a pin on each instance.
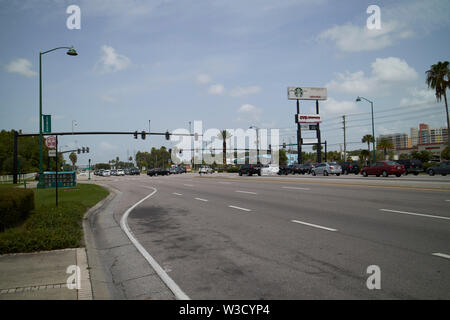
(15, 206)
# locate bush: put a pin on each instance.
(233, 169)
(15, 206)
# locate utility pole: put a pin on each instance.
(345, 142)
(299, 137)
(319, 144)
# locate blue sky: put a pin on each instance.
(227, 63)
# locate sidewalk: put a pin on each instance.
(42, 275)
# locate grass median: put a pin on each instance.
(49, 227)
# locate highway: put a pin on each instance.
(222, 236)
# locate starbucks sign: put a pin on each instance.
(307, 93)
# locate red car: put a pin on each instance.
(384, 168)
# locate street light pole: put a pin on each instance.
(358, 99)
(70, 52)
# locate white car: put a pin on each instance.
(106, 173)
(270, 169)
(205, 169)
(120, 172)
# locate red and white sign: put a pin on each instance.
(309, 118)
(50, 142)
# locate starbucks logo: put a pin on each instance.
(298, 92)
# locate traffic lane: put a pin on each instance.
(360, 217)
(195, 240)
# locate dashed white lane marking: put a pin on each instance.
(442, 255)
(188, 185)
(447, 200)
(296, 188)
(249, 192)
(224, 182)
(200, 199)
(313, 225)
(239, 208)
(416, 214)
(177, 194)
(179, 294)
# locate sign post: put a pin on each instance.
(306, 93)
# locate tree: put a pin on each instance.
(282, 157)
(224, 135)
(445, 154)
(73, 159)
(436, 79)
(364, 155)
(367, 138)
(385, 144)
(423, 156)
(314, 147)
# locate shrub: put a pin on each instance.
(15, 206)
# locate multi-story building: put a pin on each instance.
(399, 140)
(424, 133)
(413, 137)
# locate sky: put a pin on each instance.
(226, 63)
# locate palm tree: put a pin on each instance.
(385, 143)
(224, 135)
(436, 80)
(363, 155)
(367, 138)
(73, 159)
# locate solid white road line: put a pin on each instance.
(177, 194)
(442, 255)
(296, 188)
(447, 200)
(179, 294)
(313, 225)
(200, 199)
(249, 192)
(416, 214)
(188, 185)
(224, 182)
(239, 208)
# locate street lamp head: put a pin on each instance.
(358, 99)
(72, 52)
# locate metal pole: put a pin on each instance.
(257, 145)
(41, 155)
(15, 158)
(89, 177)
(373, 134)
(299, 137)
(325, 150)
(319, 143)
(56, 170)
(345, 142)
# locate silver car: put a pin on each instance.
(327, 168)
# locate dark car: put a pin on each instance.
(384, 168)
(307, 167)
(250, 169)
(284, 170)
(157, 172)
(297, 169)
(411, 165)
(350, 167)
(134, 171)
(443, 168)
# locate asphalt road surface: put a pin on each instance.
(296, 237)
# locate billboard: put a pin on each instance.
(307, 93)
(309, 118)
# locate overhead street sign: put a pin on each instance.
(307, 93)
(50, 142)
(47, 119)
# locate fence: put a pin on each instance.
(9, 178)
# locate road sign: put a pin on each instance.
(50, 142)
(308, 118)
(307, 93)
(52, 153)
(47, 119)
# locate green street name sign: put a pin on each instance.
(47, 123)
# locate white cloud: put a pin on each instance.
(244, 91)
(109, 98)
(203, 78)
(111, 61)
(387, 75)
(419, 96)
(107, 146)
(216, 89)
(20, 66)
(249, 112)
(334, 107)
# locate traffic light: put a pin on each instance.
(181, 151)
(270, 147)
(167, 135)
(83, 149)
(170, 151)
(143, 135)
(87, 149)
(78, 151)
(135, 134)
(284, 145)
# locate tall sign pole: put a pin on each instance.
(319, 144)
(299, 137)
(56, 170)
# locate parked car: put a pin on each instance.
(250, 169)
(283, 170)
(411, 165)
(384, 168)
(106, 173)
(120, 172)
(135, 171)
(443, 168)
(297, 169)
(174, 170)
(327, 168)
(350, 167)
(158, 172)
(307, 167)
(205, 169)
(270, 169)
